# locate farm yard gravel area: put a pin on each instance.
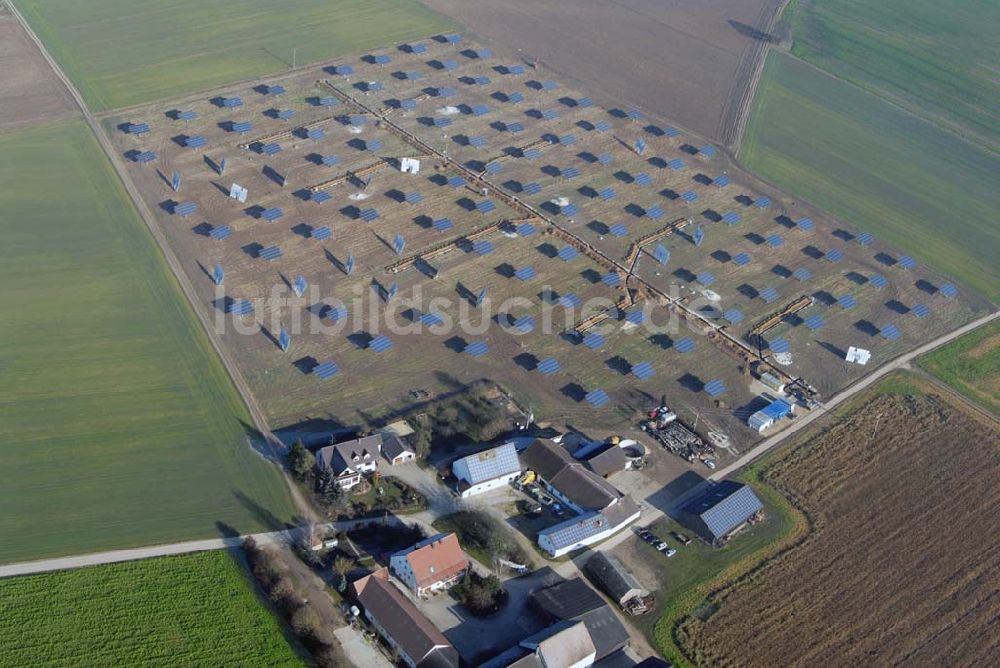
(688, 60)
(318, 152)
(900, 564)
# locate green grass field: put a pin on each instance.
(937, 59)
(124, 52)
(118, 424)
(912, 184)
(971, 365)
(192, 610)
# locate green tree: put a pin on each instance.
(300, 461)
(341, 567)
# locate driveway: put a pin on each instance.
(359, 652)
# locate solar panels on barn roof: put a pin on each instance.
(597, 398)
(715, 388)
(593, 340)
(567, 253)
(477, 348)
(548, 366)
(643, 370)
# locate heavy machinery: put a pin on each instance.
(675, 436)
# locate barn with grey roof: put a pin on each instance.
(721, 510)
(486, 470)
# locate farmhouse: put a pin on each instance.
(721, 510)
(574, 600)
(612, 578)
(603, 509)
(486, 470)
(565, 644)
(401, 625)
(431, 565)
(351, 459)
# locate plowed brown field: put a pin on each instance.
(29, 89)
(903, 565)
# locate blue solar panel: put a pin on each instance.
(804, 224)
(593, 341)
(531, 154)
(381, 59)
(137, 128)
(847, 301)
(762, 202)
(516, 126)
(343, 69)
(321, 196)
(550, 114)
(597, 398)
(532, 188)
(516, 69)
(675, 164)
(636, 317)
(835, 255)
(442, 122)
(611, 279)
(240, 307)
(733, 316)
(431, 320)
(741, 259)
(185, 208)
(802, 274)
(699, 236)
(634, 114)
(453, 38)
(567, 140)
(480, 109)
(321, 233)
(525, 230)
(481, 81)
(413, 198)
(879, 281)
(145, 157)
(571, 172)
(769, 295)
(220, 232)
(442, 224)
(721, 181)
(731, 218)
(707, 150)
(515, 98)
(271, 148)
(661, 254)
(671, 132)
(195, 142)
(779, 346)
(715, 387)
(685, 345)
(270, 253)
(486, 206)
(814, 322)
(407, 104)
(775, 240)
(494, 167)
(315, 133)
(602, 126)
(549, 84)
(643, 370)
(921, 310)
(655, 212)
(949, 290)
(271, 214)
(584, 102)
(380, 343)
(569, 210)
(482, 247)
(567, 253)
(569, 300)
(689, 196)
(336, 313)
(890, 332)
(706, 278)
(187, 116)
(477, 348)
(329, 160)
(607, 193)
(548, 366)
(618, 230)
(524, 324)
(232, 102)
(642, 179)
(368, 215)
(373, 144)
(907, 262)
(525, 273)
(276, 89)
(866, 239)
(456, 181)
(478, 141)
(449, 65)
(326, 370)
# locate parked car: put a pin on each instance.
(669, 552)
(647, 536)
(710, 463)
(661, 546)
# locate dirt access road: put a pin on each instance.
(687, 60)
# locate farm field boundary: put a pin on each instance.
(970, 365)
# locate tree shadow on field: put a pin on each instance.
(264, 516)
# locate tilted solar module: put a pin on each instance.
(733, 316)
(525, 273)
(847, 301)
(685, 345)
(477, 348)
(321, 196)
(779, 346)
(569, 300)
(567, 253)
(879, 281)
(593, 340)
(814, 322)
(548, 366)
(715, 387)
(482, 247)
(643, 370)
(321, 233)
(611, 279)
(731, 218)
(741, 259)
(802, 274)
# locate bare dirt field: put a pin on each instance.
(472, 114)
(30, 91)
(902, 564)
(688, 60)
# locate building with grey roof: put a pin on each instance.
(721, 510)
(486, 470)
(612, 578)
(611, 460)
(351, 459)
(588, 528)
(576, 600)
